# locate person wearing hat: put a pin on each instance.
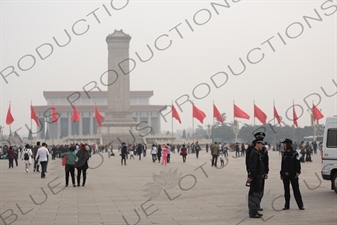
(290, 171)
(265, 161)
(258, 135)
(255, 179)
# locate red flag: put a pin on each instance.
(98, 117)
(175, 114)
(316, 113)
(239, 113)
(198, 114)
(260, 115)
(295, 118)
(76, 116)
(9, 117)
(276, 115)
(217, 114)
(33, 115)
(54, 114)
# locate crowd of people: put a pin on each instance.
(38, 156)
(76, 156)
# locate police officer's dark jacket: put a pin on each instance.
(265, 160)
(256, 168)
(249, 150)
(290, 163)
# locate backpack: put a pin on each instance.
(26, 156)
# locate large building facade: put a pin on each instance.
(142, 112)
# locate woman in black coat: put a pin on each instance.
(159, 152)
(82, 164)
(139, 151)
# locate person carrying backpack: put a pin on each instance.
(26, 155)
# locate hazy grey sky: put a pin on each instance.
(298, 67)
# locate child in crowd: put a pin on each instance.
(222, 159)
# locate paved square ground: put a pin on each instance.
(193, 193)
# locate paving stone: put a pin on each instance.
(113, 191)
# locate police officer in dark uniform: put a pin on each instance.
(255, 179)
(265, 160)
(259, 135)
(290, 170)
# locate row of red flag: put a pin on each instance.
(197, 113)
(239, 113)
(75, 116)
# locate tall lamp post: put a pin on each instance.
(314, 125)
(1, 134)
(209, 131)
(236, 129)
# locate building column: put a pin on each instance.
(158, 125)
(80, 132)
(91, 124)
(138, 117)
(149, 118)
(58, 132)
(69, 125)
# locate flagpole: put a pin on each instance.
(172, 121)
(294, 122)
(74, 131)
(10, 125)
(313, 122)
(213, 125)
(51, 130)
(274, 124)
(192, 123)
(233, 119)
(97, 128)
(31, 125)
(254, 112)
(234, 128)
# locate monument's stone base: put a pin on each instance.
(115, 133)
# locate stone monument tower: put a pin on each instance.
(118, 125)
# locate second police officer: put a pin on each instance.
(290, 171)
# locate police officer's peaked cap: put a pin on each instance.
(258, 140)
(288, 141)
(259, 135)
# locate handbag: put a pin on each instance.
(64, 161)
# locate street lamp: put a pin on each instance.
(313, 124)
(236, 129)
(209, 131)
(1, 134)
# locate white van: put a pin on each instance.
(329, 155)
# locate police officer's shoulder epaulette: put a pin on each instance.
(296, 155)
